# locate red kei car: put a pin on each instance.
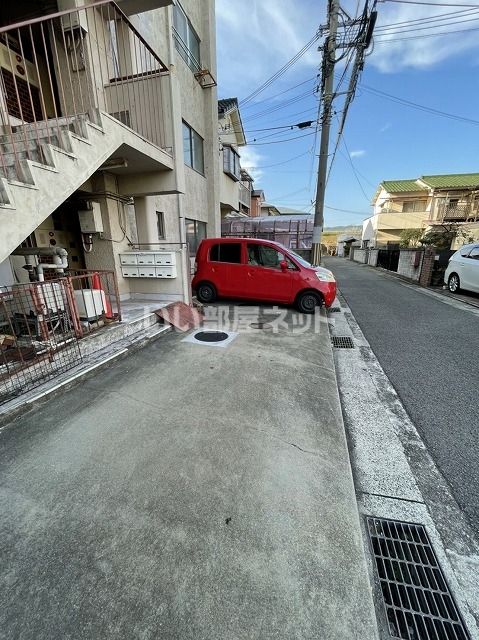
(260, 270)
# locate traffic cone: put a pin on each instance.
(96, 284)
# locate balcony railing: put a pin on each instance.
(244, 196)
(460, 212)
(59, 70)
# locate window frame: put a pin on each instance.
(160, 225)
(231, 162)
(227, 244)
(189, 154)
(473, 257)
(184, 49)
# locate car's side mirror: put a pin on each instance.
(284, 265)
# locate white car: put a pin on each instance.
(463, 269)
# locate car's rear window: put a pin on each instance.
(226, 252)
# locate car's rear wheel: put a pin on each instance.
(206, 292)
(453, 284)
(306, 302)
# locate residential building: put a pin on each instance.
(257, 198)
(268, 209)
(423, 203)
(235, 188)
(109, 137)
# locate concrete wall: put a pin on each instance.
(359, 255)
(407, 260)
(373, 257)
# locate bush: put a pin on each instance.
(410, 237)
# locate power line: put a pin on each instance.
(258, 144)
(440, 16)
(281, 71)
(354, 170)
(387, 32)
(415, 105)
(279, 106)
(277, 164)
(432, 4)
(426, 35)
(248, 106)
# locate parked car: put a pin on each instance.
(260, 270)
(463, 269)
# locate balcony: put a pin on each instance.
(244, 196)
(458, 212)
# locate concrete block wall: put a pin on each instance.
(360, 255)
(407, 259)
(373, 257)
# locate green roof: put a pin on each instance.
(452, 181)
(397, 186)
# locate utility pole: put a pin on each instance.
(329, 59)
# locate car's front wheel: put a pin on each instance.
(306, 302)
(453, 284)
(206, 293)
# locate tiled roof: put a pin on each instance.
(397, 186)
(452, 181)
(226, 105)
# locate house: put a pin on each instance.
(268, 209)
(423, 203)
(257, 198)
(235, 183)
(109, 140)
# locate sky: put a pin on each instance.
(383, 139)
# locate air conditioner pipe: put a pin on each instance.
(60, 257)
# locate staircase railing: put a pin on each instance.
(64, 68)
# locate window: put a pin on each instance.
(160, 224)
(187, 42)
(193, 149)
(231, 163)
(474, 253)
(226, 252)
(414, 205)
(195, 233)
(263, 256)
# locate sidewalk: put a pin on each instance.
(188, 492)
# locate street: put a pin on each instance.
(428, 349)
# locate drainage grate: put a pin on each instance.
(334, 310)
(342, 342)
(211, 336)
(418, 603)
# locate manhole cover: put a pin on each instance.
(261, 325)
(416, 597)
(342, 342)
(211, 336)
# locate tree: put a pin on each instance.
(410, 237)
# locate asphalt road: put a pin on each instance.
(429, 350)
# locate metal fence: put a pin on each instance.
(96, 300)
(41, 324)
(38, 340)
(64, 68)
(294, 232)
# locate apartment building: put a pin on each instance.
(109, 143)
(423, 203)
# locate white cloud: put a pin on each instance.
(358, 153)
(421, 49)
(257, 37)
(385, 127)
(250, 159)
